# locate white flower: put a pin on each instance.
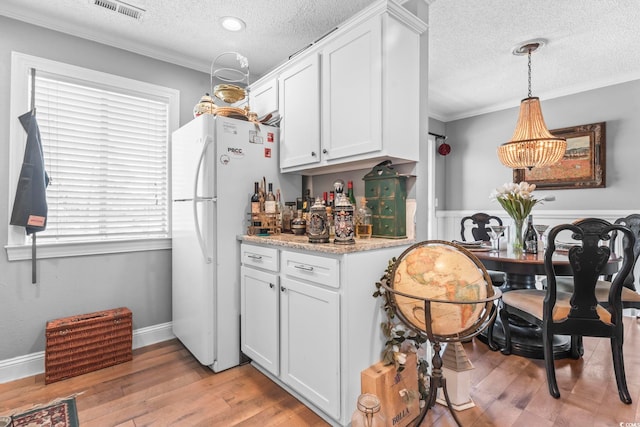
(516, 199)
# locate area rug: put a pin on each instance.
(59, 413)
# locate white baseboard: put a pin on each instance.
(33, 364)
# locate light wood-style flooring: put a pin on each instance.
(164, 385)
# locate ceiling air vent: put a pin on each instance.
(123, 8)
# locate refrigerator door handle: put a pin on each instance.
(196, 200)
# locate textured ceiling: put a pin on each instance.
(590, 43)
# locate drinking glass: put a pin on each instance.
(541, 228)
(496, 232)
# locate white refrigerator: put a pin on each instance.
(214, 164)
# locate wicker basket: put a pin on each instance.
(88, 342)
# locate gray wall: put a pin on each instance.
(69, 286)
(473, 168)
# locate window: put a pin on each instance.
(106, 143)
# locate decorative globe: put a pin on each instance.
(445, 275)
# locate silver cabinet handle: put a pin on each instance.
(283, 289)
(324, 151)
(257, 257)
(271, 285)
(304, 267)
(313, 154)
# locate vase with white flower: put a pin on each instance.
(518, 201)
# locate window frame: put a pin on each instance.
(17, 246)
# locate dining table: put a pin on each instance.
(521, 270)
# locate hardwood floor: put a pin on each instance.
(164, 385)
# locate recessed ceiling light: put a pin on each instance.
(232, 23)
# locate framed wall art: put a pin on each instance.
(583, 164)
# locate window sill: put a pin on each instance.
(62, 250)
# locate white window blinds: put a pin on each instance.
(106, 154)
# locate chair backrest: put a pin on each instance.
(588, 259)
(632, 222)
(481, 230)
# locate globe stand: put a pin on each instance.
(408, 313)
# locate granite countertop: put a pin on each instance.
(302, 242)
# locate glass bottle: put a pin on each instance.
(299, 224)
(364, 226)
(270, 201)
(368, 413)
(255, 205)
(350, 196)
(530, 237)
(287, 216)
(332, 228)
(255, 199)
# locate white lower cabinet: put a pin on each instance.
(309, 321)
(260, 318)
(310, 344)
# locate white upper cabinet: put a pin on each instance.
(352, 93)
(299, 93)
(263, 97)
(351, 99)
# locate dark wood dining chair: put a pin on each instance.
(478, 226)
(630, 296)
(577, 313)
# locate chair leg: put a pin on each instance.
(490, 342)
(618, 367)
(549, 364)
(504, 317)
(577, 349)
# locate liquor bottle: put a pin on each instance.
(279, 208)
(350, 196)
(364, 226)
(255, 205)
(530, 237)
(332, 229)
(255, 199)
(299, 224)
(287, 216)
(270, 201)
(332, 196)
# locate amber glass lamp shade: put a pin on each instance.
(532, 145)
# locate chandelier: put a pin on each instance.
(532, 145)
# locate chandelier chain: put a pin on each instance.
(529, 65)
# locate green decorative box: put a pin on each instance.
(386, 193)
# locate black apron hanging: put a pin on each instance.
(30, 204)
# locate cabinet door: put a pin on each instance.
(352, 93)
(259, 300)
(310, 361)
(263, 97)
(299, 97)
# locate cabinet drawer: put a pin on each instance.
(321, 270)
(260, 257)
